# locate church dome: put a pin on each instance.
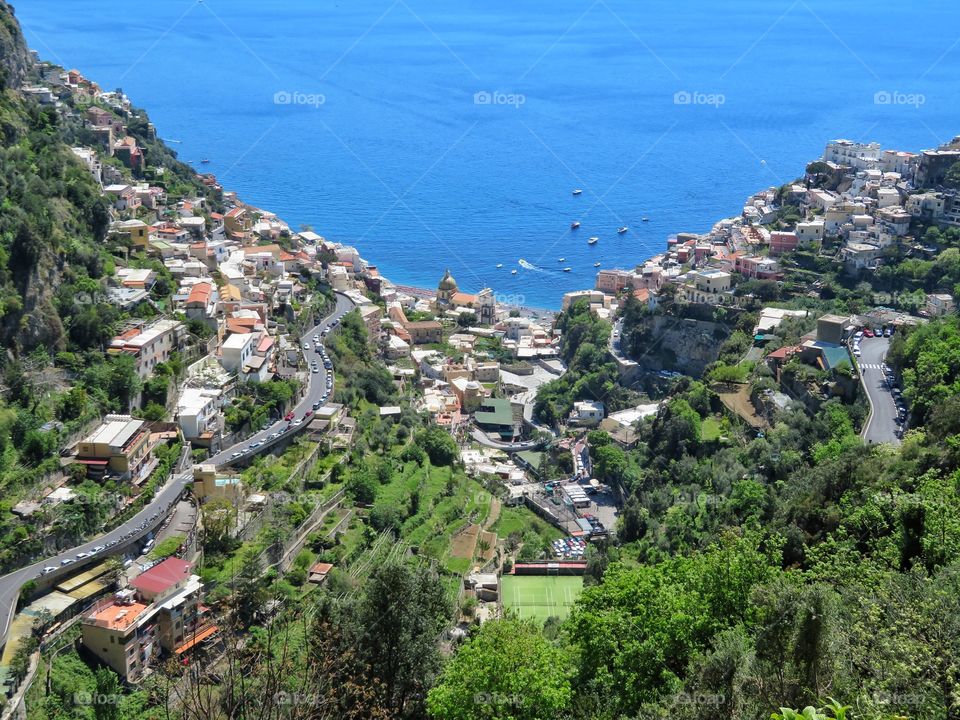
(448, 283)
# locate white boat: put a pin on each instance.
(575, 224)
(566, 269)
(499, 265)
(592, 241)
(513, 272)
(622, 230)
(578, 191)
(596, 264)
(561, 259)
(646, 219)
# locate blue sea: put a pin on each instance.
(451, 134)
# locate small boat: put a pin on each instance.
(499, 265)
(592, 241)
(575, 224)
(596, 264)
(566, 269)
(578, 191)
(204, 161)
(622, 230)
(513, 272)
(646, 219)
(561, 259)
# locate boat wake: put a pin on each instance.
(529, 266)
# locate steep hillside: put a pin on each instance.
(51, 214)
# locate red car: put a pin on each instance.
(868, 332)
(308, 413)
(289, 416)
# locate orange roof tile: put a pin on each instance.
(200, 293)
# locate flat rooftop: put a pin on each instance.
(117, 616)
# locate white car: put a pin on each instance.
(298, 421)
(47, 570)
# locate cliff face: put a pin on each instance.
(52, 216)
(683, 345)
(14, 56)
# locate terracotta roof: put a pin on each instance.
(235, 325)
(266, 342)
(462, 298)
(200, 293)
(162, 576)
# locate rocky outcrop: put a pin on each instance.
(680, 344)
(14, 57)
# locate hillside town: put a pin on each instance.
(279, 381)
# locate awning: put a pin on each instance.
(196, 639)
(92, 462)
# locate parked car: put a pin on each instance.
(289, 416)
(68, 561)
(47, 570)
(82, 555)
(316, 405)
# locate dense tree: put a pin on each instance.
(507, 671)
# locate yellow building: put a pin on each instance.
(120, 446)
(207, 484)
(122, 632)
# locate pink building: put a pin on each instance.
(781, 242)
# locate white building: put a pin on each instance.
(198, 411)
(587, 413)
(809, 231)
(151, 344)
(939, 304)
(852, 154)
(236, 350)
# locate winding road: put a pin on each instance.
(152, 515)
(881, 426)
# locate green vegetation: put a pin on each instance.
(591, 373)
(507, 672)
(167, 547)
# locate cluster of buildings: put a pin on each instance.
(876, 194)
(158, 614)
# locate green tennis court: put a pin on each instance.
(540, 596)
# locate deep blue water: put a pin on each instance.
(401, 161)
